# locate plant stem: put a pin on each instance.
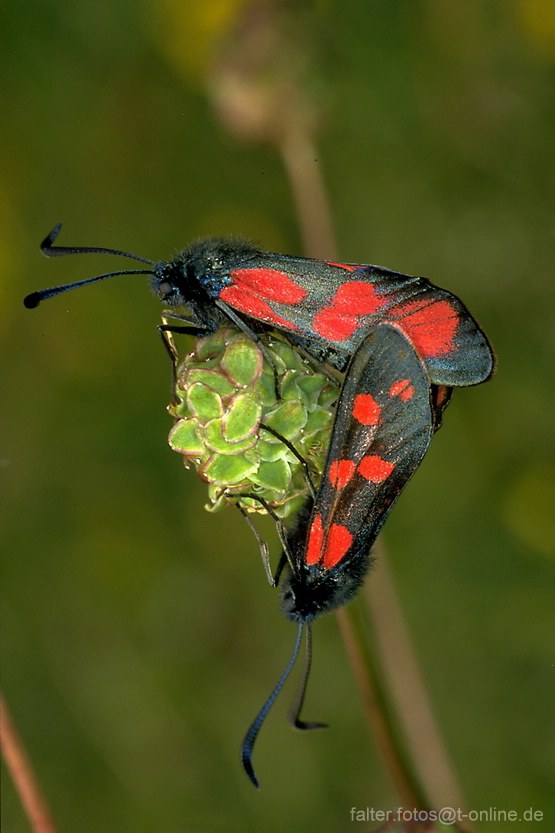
(424, 778)
(374, 696)
(407, 687)
(23, 777)
(300, 159)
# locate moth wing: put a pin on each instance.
(383, 427)
(338, 304)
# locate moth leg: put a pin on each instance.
(166, 332)
(281, 531)
(281, 564)
(297, 454)
(244, 327)
(333, 375)
(264, 549)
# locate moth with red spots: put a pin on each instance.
(383, 426)
(326, 308)
(405, 343)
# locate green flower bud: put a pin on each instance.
(225, 394)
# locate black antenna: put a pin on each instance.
(49, 250)
(254, 728)
(298, 702)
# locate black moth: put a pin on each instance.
(324, 307)
(383, 426)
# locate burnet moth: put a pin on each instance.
(404, 342)
(383, 425)
(323, 307)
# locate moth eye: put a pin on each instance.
(165, 290)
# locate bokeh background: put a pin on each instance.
(139, 634)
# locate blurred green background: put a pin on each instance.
(139, 634)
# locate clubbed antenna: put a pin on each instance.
(298, 702)
(256, 725)
(49, 250)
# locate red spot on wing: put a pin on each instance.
(338, 542)
(315, 541)
(404, 389)
(374, 468)
(366, 410)
(349, 267)
(339, 320)
(269, 283)
(357, 298)
(334, 325)
(243, 300)
(430, 325)
(340, 472)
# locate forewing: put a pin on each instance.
(339, 304)
(382, 430)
